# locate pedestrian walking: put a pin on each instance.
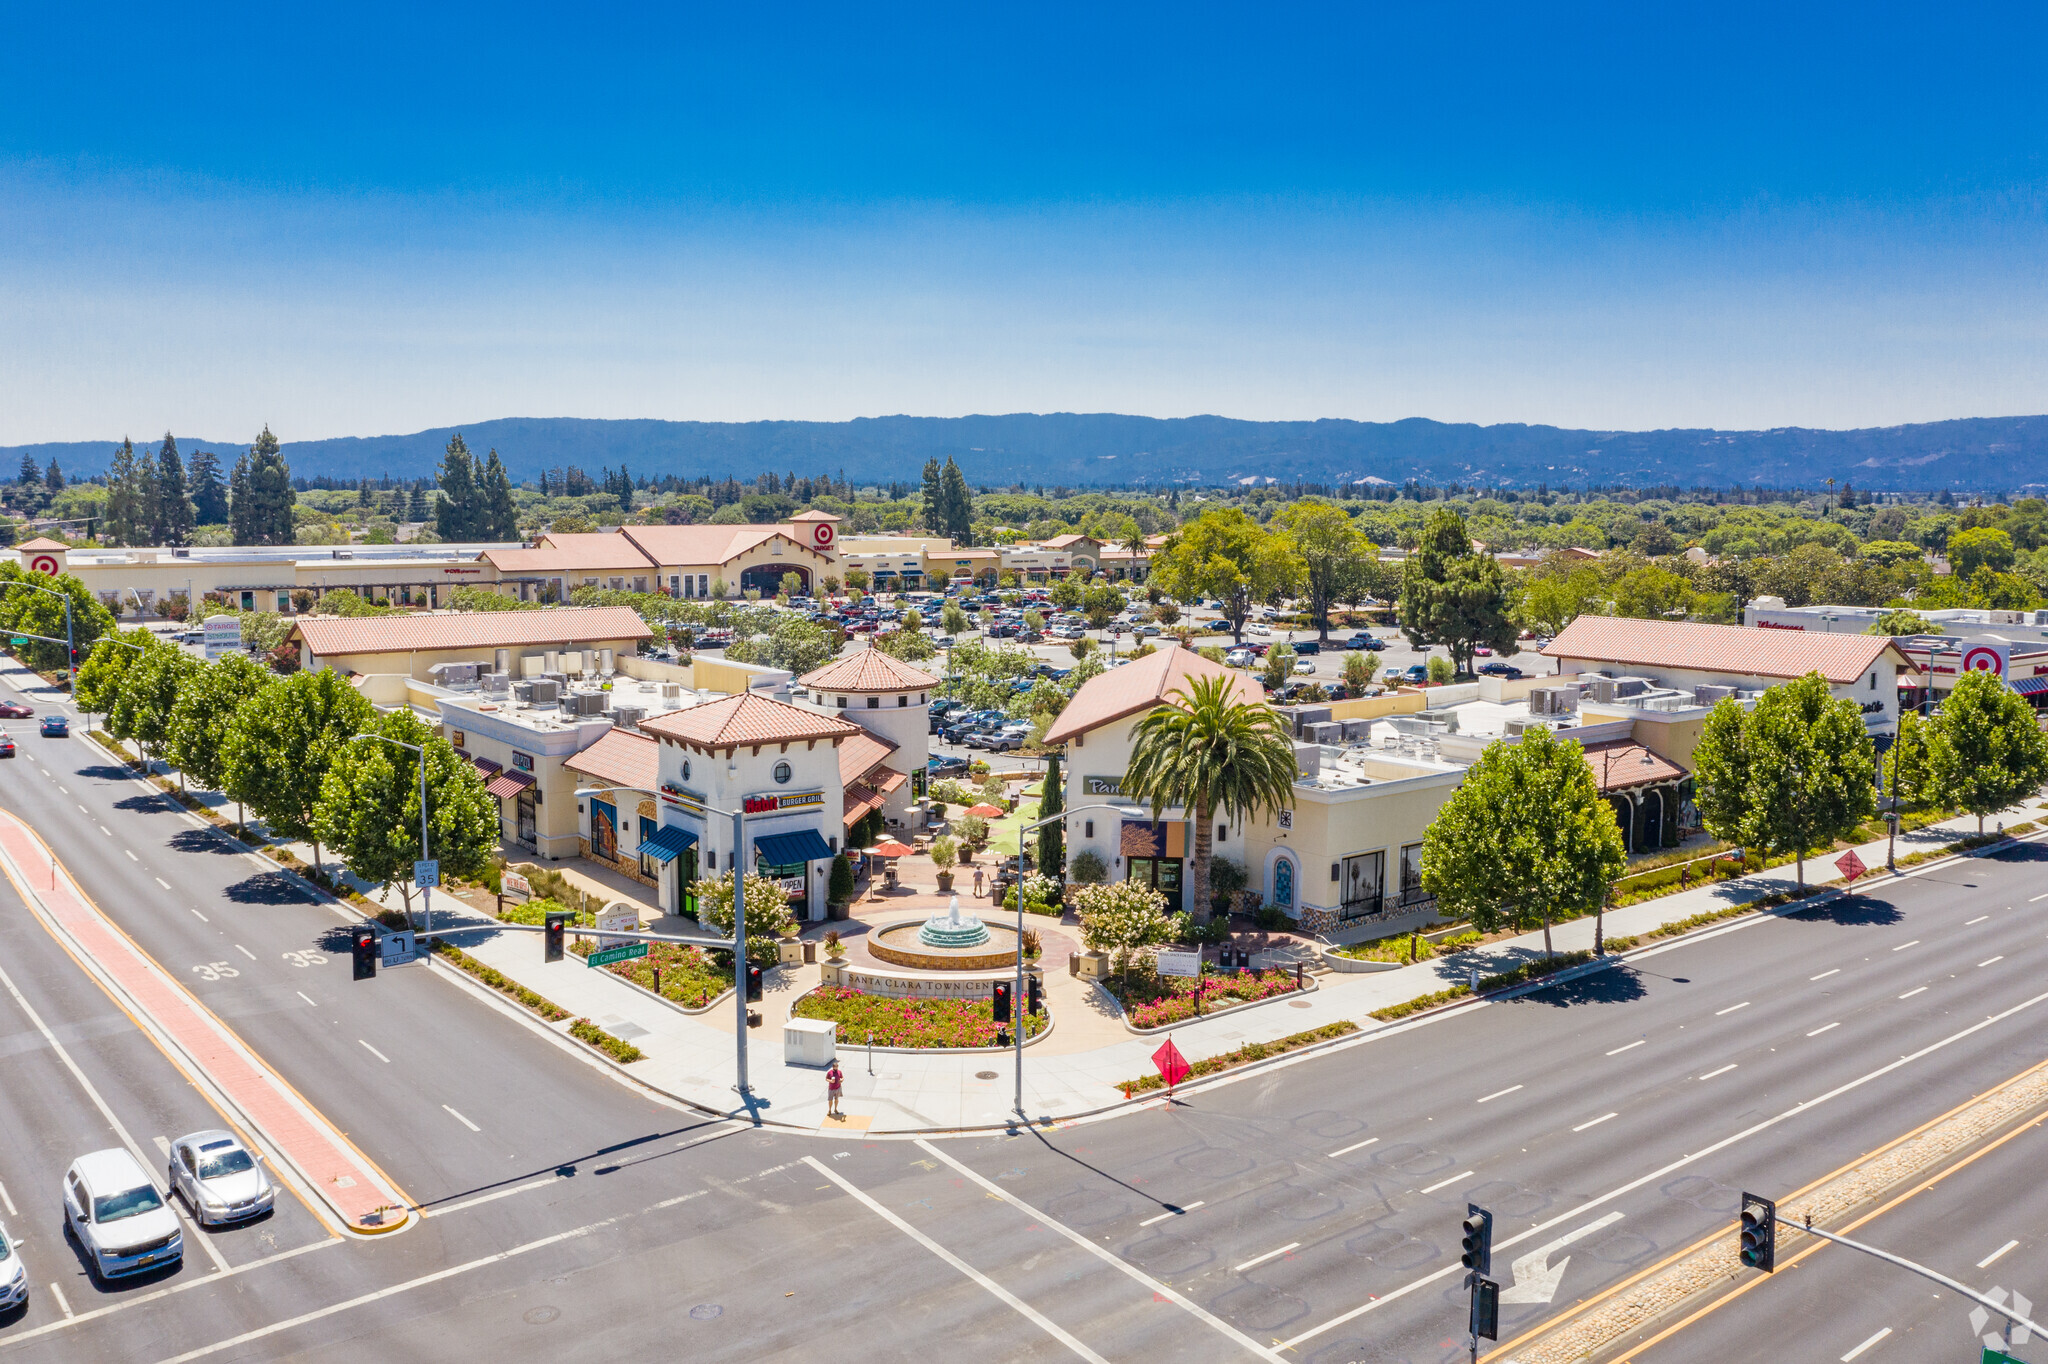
(834, 1080)
(977, 883)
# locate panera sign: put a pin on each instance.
(1103, 786)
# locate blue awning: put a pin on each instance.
(783, 850)
(666, 842)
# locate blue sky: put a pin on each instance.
(362, 219)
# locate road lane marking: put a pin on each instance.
(1904, 945)
(105, 830)
(1176, 1212)
(1722, 1071)
(2038, 897)
(1825, 974)
(1015, 1303)
(12, 1211)
(60, 1300)
(163, 1144)
(245, 952)
(1446, 1183)
(1131, 1271)
(1985, 1263)
(202, 918)
(1498, 1093)
(1731, 1008)
(1596, 1122)
(1823, 1028)
(1269, 1255)
(1630, 1047)
(81, 809)
(387, 1061)
(1978, 920)
(1360, 1146)
(1982, 964)
(181, 1286)
(1866, 1345)
(131, 856)
(458, 1117)
(303, 995)
(160, 881)
(1910, 993)
(497, 1194)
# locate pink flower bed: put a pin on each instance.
(1218, 992)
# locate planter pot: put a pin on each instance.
(945, 882)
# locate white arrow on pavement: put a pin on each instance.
(1536, 1279)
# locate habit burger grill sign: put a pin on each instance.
(794, 800)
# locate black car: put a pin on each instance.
(1507, 670)
(1364, 641)
(56, 727)
(1308, 646)
(944, 766)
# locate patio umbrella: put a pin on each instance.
(890, 849)
(985, 811)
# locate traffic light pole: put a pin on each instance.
(70, 639)
(1017, 996)
(2014, 1315)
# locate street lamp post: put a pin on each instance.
(1017, 991)
(426, 892)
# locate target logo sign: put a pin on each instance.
(44, 563)
(1983, 658)
(822, 534)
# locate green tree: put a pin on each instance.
(933, 511)
(1985, 748)
(1526, 836)
(1790, 776)
(207, 706)
(103, 672)
(1052, 799)
(794, 644)
(123, 523)
(952, 620)
(149, 696)
(1651, 593)
(39, 613)
(369, 807)
(1980, 547)
(281, 744)
(1332, 554)
(499, 514)
(456, 515)
(1209, 753)
(1905, 768)
(1454, 596)
(209, 493)
(956, 504)
(1225, 555)
(768, 913)
(1358, 669)
(29, 494)
(1101, 602)
(1902, 622)
(1279, 669)
(1124, 917)
(148, 498)
(260, 508)
(174, 516)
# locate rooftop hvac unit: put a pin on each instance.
(1516, 725)
(1446, 718)
(546, 691)
(1323, 732)
(1308, 759)
(1601, 689)
(628, 717)
(1629, 686)
(501, 661)
(1710, 695)
(590, 702)
(523, 692)
(606, 661)
(550, 662)
(496, 683)
(671, 691)
(454, 674)
(1357, 730)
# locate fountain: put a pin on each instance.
(946, 942)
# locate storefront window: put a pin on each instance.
(604, 831)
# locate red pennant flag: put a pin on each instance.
(1851, 865)
(1173, 1067)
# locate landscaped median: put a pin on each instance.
(953, 1024)
(1154, 1002)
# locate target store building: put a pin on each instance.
(689, 562)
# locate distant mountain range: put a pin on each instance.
(1974, 454)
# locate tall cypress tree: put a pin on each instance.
(1052, 800)
(956, 504)
(456, 517)
(269, 493)
(147, 498)
(53, 478)
(120, 525)
(500, 513)
(209, 493)
(241, 510)
(173, 505)
(934, 514)
(28, 494)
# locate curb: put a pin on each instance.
(1308, 987)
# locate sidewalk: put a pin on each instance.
(1073, 1070)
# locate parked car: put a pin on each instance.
(1149, 629)
(1483, 652)
(219, 1178)
(1238, 658)
(964, 725)
(1364, 641)
(1258, 628)
(1308, 646)
(1009, 738)
(1498, 669)
(1303, 665)
(1417, 672)
(56, 727)
(118, 1216)
(13, 1274)
(15, 710)
(944, 766)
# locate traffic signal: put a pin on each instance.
(1034, 995)
(1478, 1242)
(1002, 1002)
(557, 927)
(1759, 1233)
(1485, 1318)
(363, 945)
(753, 983)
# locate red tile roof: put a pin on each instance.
(691, 546)
(859, 800)
(1139, 687)
(620, 758)
(747, 719)
(1730, 650)
(506, 785)
(1063, 541)
(339, 636)
(860, 754)
(591, 552)
(867, 670)
(1622, 765)
(43, 542)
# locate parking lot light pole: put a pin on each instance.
(426, 892)
(1017, 1014)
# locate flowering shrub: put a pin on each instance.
(687, 974)
(1174, 996)
(906, 1022)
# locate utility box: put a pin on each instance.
(1092, 965)
(809, 1042)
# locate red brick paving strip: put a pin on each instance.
(342, 1176)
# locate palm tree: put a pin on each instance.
(1206, 752)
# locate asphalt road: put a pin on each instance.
(1319, 1201)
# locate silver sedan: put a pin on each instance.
(220, 1179)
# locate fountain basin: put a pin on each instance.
(906, 945)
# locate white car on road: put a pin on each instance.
(118, 1216)
(13, 1274)
(1258, 628)
(1304, 665)
(219, 1178)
